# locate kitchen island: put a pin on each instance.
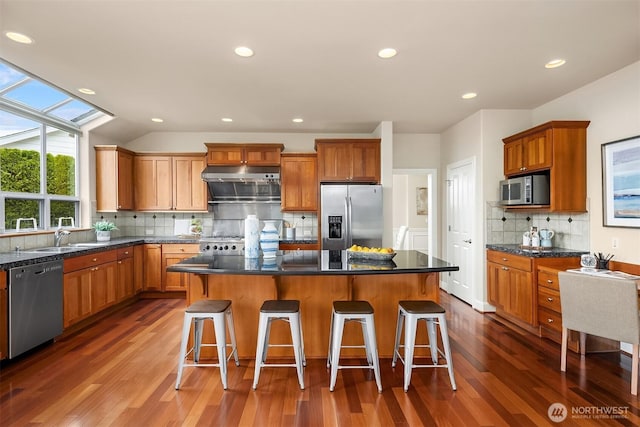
(316, 278)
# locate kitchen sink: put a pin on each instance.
(52, 249)
(89, 244)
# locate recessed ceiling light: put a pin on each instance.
(227, 119)
(157, 120)
(87, 91)
(387, 53)
(243, 51)
(469, 95)
(19, 37)
(297, 120)
(555, 63)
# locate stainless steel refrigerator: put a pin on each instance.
(351, 215)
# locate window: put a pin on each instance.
(39, 134)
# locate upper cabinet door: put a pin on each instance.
(348, 160)
(299, 178)
(114, 178)
(365, 157)
(243, 154)
(225, 155)
(189, 190)
(153, 182)
(334, 161)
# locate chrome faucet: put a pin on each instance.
(58, 235)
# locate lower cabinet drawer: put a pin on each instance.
(548, 298)
(550, 319)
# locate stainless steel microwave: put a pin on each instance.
(525, 190)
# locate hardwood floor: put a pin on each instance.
(122, 372)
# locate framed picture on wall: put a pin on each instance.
(621, 183)
(421, 201)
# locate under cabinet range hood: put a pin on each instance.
(234, 184)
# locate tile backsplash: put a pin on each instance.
(571, 230)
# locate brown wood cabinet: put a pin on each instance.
(4, 316)
(114, 178)
(528, 154)
(558, 148)
(89, 285)
(171, 182)
(510, 286)
(243, 154)
(173, 254)
(524, 289)
(348, 160)
(125, 287)
(299, 182)
(138, 268)
(189, 190)
(152, 267)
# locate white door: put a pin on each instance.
(460, 201)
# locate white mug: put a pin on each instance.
(535, 241)
(525, 240)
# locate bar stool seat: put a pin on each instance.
(219, 311)
(289, 311)
(433, 314)
(347, 311)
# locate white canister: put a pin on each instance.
(526, 240)
(535, 241)
(251, 237)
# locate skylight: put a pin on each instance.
(26, 95)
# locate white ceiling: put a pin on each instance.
(316, 59)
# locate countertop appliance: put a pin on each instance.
(351, 215)
(242, 184)
(525, 190)
(35, 305)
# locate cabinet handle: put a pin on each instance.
(549, 320)
(126, 252)
(119, 262)
(505, 268)
(505, 259)
(549, 281)
(550, 299)
(95, 259)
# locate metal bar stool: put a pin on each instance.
(347, 311)
(289, 311)
(219, 311)
(433, 314)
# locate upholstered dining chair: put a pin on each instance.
(602, 306)
(402, 233)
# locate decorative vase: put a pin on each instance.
(103, 235)
(251, 237)
(269, 239)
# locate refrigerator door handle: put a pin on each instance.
(349, 223)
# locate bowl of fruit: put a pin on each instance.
(374, 254)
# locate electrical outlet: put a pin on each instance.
(614, 242)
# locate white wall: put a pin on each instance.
(416, 151)
(194, 141)
(612, 104)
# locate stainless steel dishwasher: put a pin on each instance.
(35, 305)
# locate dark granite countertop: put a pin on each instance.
(544, 253)
(27, 256)
(320, 262)
(299, 241)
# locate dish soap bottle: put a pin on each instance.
(251, 237)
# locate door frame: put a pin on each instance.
(432, 200)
